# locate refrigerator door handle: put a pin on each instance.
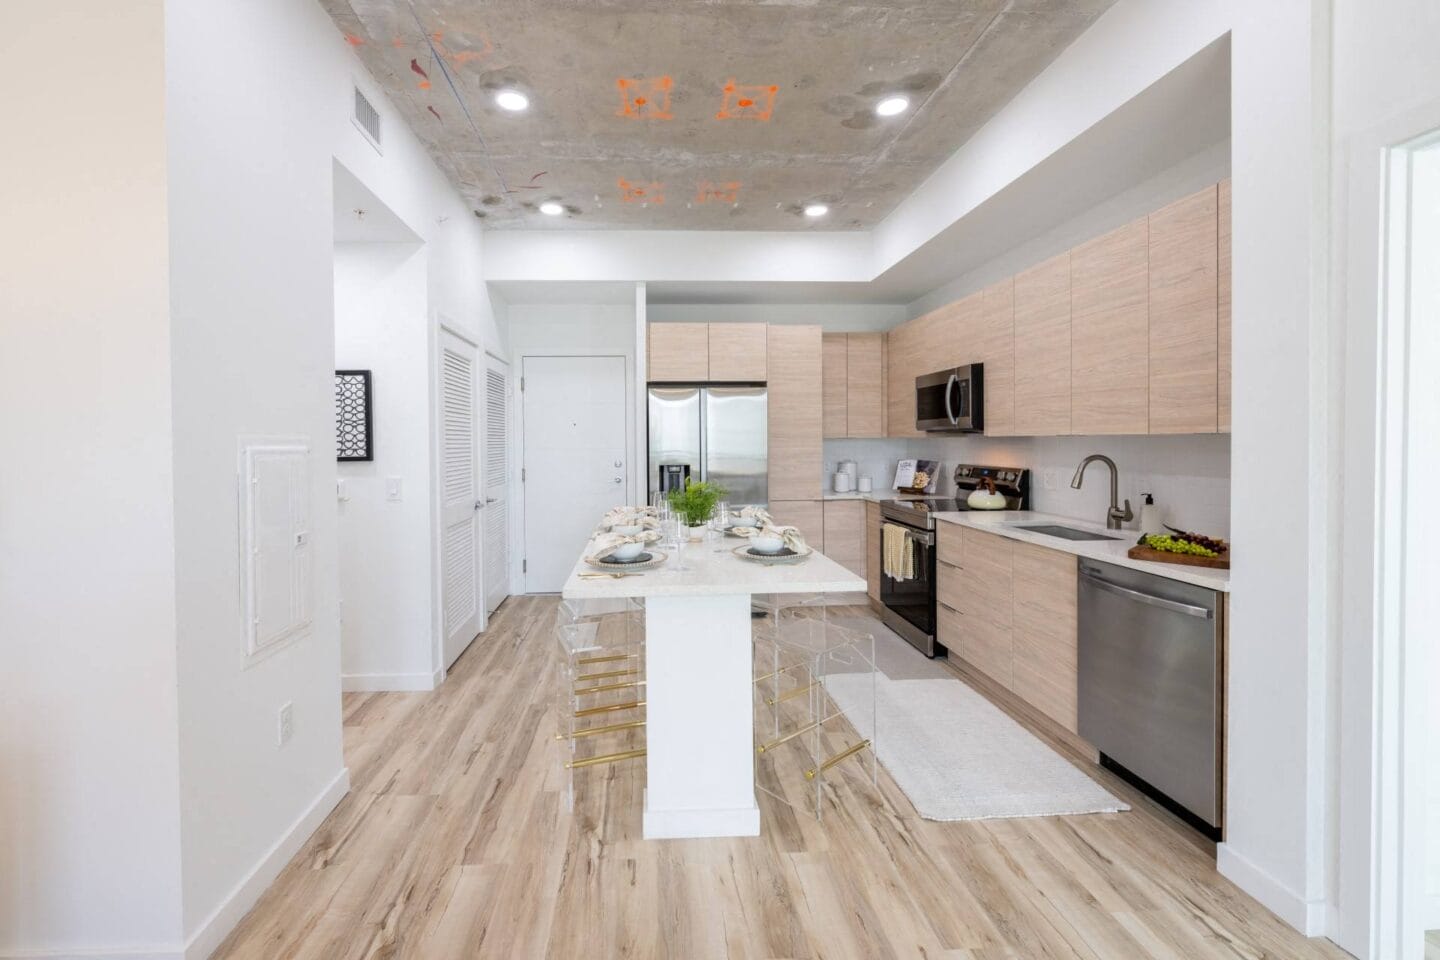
(704, 435)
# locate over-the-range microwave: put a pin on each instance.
(951, 401)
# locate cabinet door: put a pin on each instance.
(1110, 333)
(808, 515)
(997, 351)
(1042, 349)
(1184, 324)
(1045, 631)
(872, 550)
(957, 339)
(949, 538)
(1223, 308)
(835, 357)
(903, 349)
(865, 373)
(678, 352)
(737, 352)
(796, 444)
(985, 600)
(845, 534)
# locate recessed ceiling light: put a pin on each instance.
(816, 210)
(512, 100)
(551, 209)
(892, 105)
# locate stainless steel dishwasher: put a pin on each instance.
(1150, 685)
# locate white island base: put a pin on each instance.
(699, 680)
(700, 748)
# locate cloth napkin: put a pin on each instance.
(792, 536)
(622, 516)
(606, 544)
(759, 514)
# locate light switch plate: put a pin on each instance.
(342, 492)
(393, 489)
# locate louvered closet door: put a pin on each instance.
(496, 515)
(459, 495)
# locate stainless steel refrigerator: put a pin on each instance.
(719, 433)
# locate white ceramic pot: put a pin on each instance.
(628, 551)
(767, 544)
(697, 533)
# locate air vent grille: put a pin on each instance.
(367, 119)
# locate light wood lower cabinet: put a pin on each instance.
(1045, 631)
(808, 515)
(844, 529)
(1010, 612)
(872, 550)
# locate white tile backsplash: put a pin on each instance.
(1189, 475)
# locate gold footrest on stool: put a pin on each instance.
(606, 758)
(609, 708)
(787, 738)
(849, 751)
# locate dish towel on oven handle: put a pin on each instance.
(898, 560)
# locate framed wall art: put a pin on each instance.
(354, 416)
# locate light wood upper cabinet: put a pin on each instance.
(957, 338)
(997, 352)
(1046, 631)
(904, 351)
(795, 411)
(872, 550)
(1110, 332)
(737, 352)
(678, 352)
(1223, 307)
(835, 355)
(1042, 349)
(1184, 319)
(845, 534)
(865, 384)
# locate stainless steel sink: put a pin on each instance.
(1064, 533)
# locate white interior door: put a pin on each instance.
(459, 495)
(575, 468)
(496, 513)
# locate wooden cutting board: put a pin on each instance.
(1221, 562)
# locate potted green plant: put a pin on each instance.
(695, 504)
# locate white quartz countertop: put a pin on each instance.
(877, 496)
(712, 570)
(1005, 523)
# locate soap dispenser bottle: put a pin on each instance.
(1150, 521)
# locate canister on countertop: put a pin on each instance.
(1150, 521)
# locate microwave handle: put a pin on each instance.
(950, 407)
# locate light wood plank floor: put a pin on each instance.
(454, 842)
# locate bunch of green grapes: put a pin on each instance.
(1171, 544)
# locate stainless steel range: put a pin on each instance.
(907, 595)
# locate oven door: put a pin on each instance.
(935, 401)
(909, 603)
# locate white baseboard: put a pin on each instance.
(1306, 916)
(126, 953)
(218, 925)
(390, 682)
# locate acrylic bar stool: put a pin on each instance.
(801, 731)
(600, 701)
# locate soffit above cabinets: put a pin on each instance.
(681, 114)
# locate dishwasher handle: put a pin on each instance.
(1189, 609)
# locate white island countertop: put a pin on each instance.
(714, 570)
(1006, 523)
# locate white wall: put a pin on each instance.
(387, 636)
(90, 794)
(573, 330)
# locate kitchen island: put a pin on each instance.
(700, 745)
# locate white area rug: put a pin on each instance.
(959, 757)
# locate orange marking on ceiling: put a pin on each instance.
(645, 98)
(354, 41)
(747, 101)
(707, 191)
(652, 192)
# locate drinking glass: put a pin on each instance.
(675, 535)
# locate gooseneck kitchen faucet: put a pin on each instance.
(1114, 516)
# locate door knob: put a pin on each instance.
(618, 480)
(479, 504)
(619, 464)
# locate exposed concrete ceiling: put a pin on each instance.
(700, 114)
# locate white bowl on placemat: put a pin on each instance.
(627, 552)
(769, 545)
